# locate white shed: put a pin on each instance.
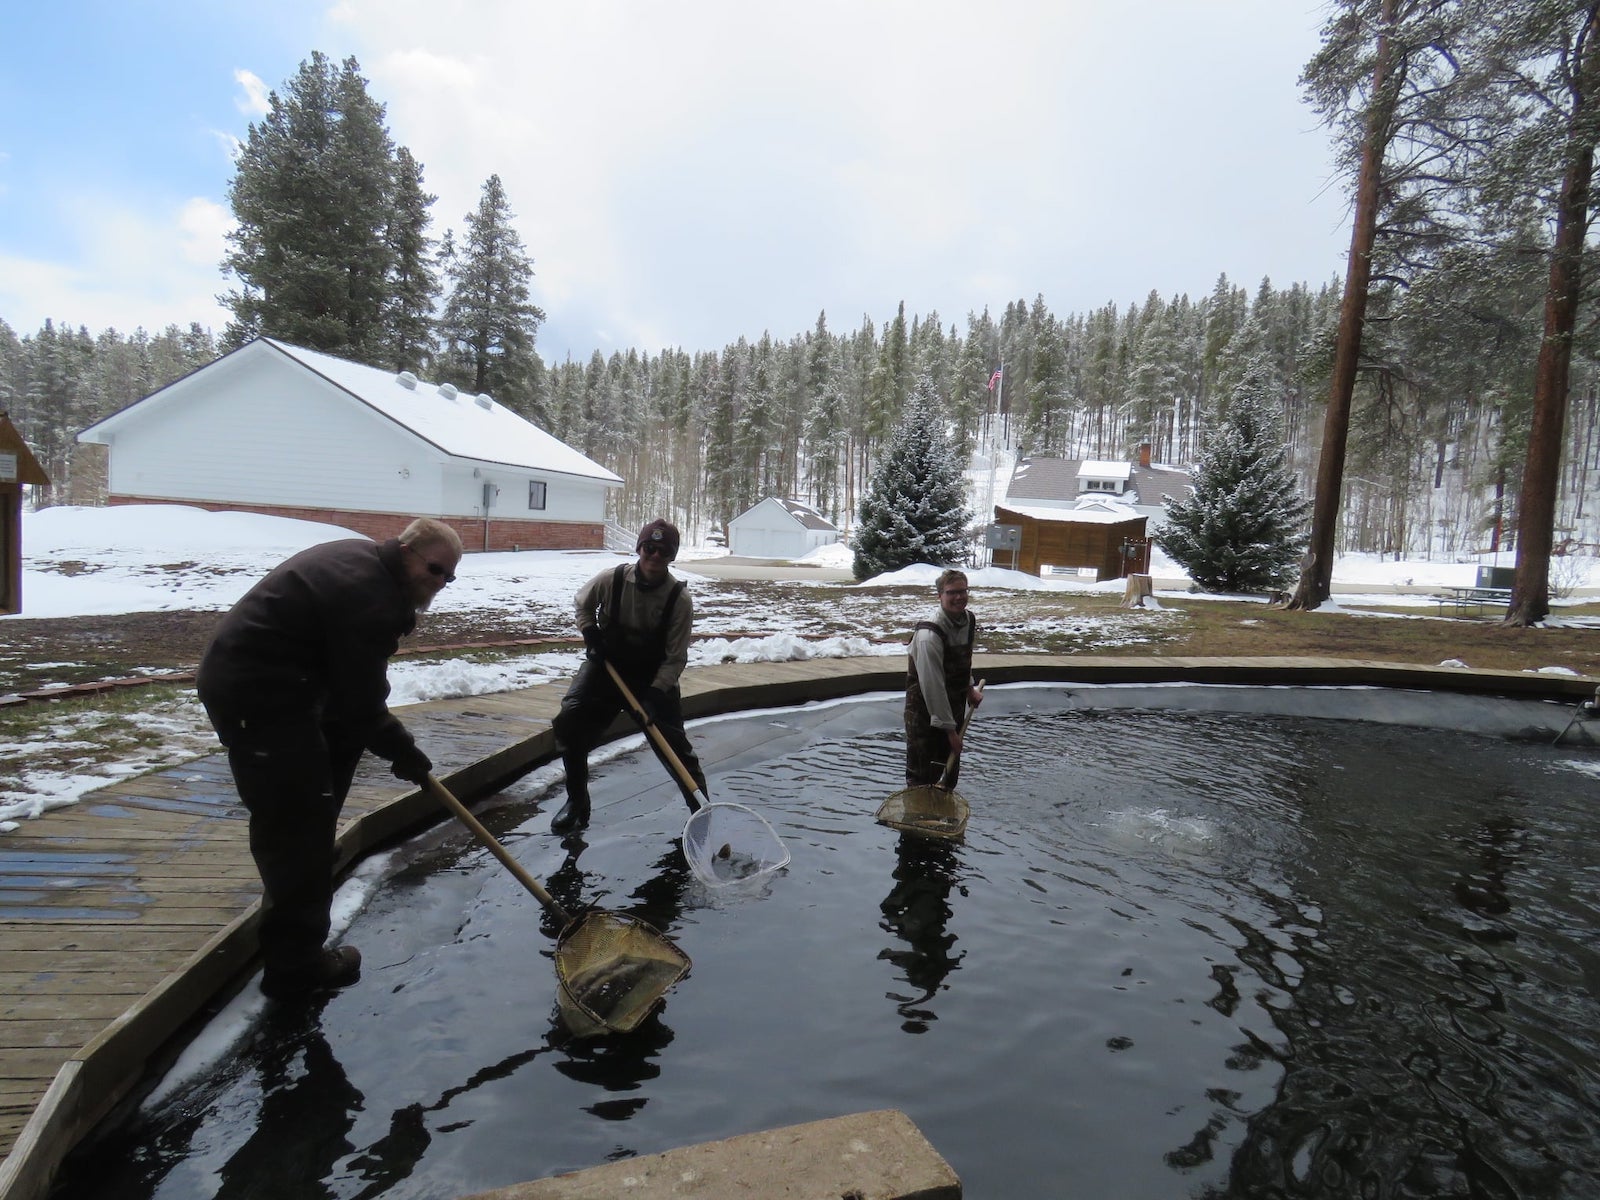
(778, 528)
(277, 429)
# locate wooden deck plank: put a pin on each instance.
(54, 981)
(68, 938)
(85, 1004)
(109, 960)
(64, 1034)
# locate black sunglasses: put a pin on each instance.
(434, 568)
(652, 548)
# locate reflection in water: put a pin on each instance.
(567, 883)
(615, 1063)
(1222, 956)
(391, 1158)
(622, 1062)
(1411, 1066)
(1499, 843)
(303, 1098)
(303, 1088)
(916, 910)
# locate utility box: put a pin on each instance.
(1496, 577)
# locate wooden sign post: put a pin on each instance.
(18, 467)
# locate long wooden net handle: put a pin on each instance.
(668, 755)
(955, 756)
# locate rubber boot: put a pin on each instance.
(331, 970)
(574, 813)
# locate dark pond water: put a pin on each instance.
(1179, 954)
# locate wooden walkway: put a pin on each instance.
(123, 915)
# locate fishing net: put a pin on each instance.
(729, 843)
(929, 810)
(612, 970)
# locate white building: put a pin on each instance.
(276, 429)
(778, 528)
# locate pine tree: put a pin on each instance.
(915, 508)
(413, 284)
(1243, 529)
(312, 195)
(489, 322)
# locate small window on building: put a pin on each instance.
(536, 493)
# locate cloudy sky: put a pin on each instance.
(686, 173)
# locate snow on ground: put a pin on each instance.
(155, 557)
(151, 558)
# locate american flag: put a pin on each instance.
(995, 378)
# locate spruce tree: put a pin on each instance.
(413, 283)
(489, 322)
(915, 508)
(312, 195)
(1244, 529)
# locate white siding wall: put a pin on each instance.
(566, 498)
(276, 434)
(768, 531)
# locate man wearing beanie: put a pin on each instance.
(637, 617)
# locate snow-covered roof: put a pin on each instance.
(807, 516)
(1099, 468)
(459, 423)
(1093, 515)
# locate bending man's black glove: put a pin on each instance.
(412, 765)
(594, 644)
(653, 700)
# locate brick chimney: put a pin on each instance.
(1144, 454)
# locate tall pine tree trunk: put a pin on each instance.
(1536, 506)
(1316, 577)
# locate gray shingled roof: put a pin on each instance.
(808, 517)
(1057, 479)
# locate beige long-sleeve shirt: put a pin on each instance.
(927, 652)
(639, 615)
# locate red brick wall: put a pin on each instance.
(503, 534)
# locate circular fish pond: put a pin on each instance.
(1181, 951)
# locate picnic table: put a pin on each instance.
(1463, 600)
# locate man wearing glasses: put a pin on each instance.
(296, 684)
(939, 684)
(637, 617)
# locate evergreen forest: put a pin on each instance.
(1460, 348)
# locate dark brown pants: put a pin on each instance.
(927, 752)
(293, 777)
(592, 702)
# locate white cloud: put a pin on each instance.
(689, 173)
(127, 268)
(686, 174)
(253, 101)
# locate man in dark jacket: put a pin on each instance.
(637, 617)
(939, 684)
(296, 685)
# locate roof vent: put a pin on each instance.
(447, 390)
(485, 400)
(406, 380)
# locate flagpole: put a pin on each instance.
(1000, 375)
